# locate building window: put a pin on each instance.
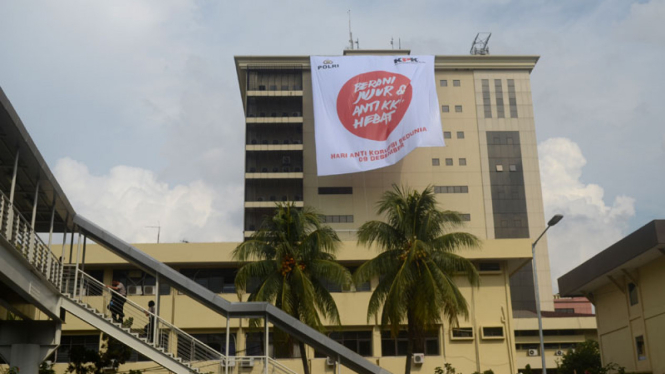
(460, 135)
(445, 108)
(435, 162)
(443, 83)
(67, 342)
(456, 83)
(335, 190)
(458, 108)
(461, 333)
(462, 162)
(447, 134)
(359, 342)
(338, 219)
(255, 345)
(498, 88)
(499, 167)
(632, 294)
(465, 217)
(512, 167)
(492, 332)
(451, 189)
(429, 345)
(641, 349)
(187, 348)
(487, 104)
(489, 266)
(217, 280)
(449, 162)
(565, 310)
(512, 98)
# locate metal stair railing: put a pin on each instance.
(21, 235)
(136, 320)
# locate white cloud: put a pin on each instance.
(590, 224)
(128, 199)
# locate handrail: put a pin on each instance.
(20, 233)
(276, 316)
(188, 348)
(280, 365)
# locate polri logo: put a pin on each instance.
(327, 64)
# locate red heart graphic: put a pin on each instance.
(371, 105)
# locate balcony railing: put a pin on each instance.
(19, 233)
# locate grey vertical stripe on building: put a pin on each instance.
(512, 98)
(487, 103)
(498, 88)
(509, 206)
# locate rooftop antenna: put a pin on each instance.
(400, 43)
(392, 43)
(159, 229)
(357, 44)
(479, 45)
(350, 33)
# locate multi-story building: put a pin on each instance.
(488, 171)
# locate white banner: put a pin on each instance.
(371, 111)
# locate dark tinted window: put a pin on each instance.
(335, 190)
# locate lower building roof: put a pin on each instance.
(633, 251)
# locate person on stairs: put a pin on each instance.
(149, 329)
(118, 301)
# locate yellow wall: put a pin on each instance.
(619, 323)
(489, 304)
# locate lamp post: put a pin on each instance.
(551, 223)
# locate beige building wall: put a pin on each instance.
(489, 306)
(619, 323)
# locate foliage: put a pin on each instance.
(290, 257)
(527, 370)
(449, 369)
(417, 263)
(585, 359)
(89, 361)
(46, 368)
(12, 370)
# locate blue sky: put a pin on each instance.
(135, 104)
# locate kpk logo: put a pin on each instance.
(407, 60)
(371, 105)
(327, 64)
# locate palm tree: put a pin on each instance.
(292, 255)
(417, 264)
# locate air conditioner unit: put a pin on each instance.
(231, 360)
(559, 352)
(418, 358)
(148, 290)
(247, 362)
(134, 290)
(532, 352)
(330, 361)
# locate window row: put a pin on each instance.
(337, 219)
(499, 167)
(217, 280)
(444, 83)
(451, 189)
(486, 332)
(449, 162)
(335, 190)
(448, 135)
(500, 104)
(446, 108)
